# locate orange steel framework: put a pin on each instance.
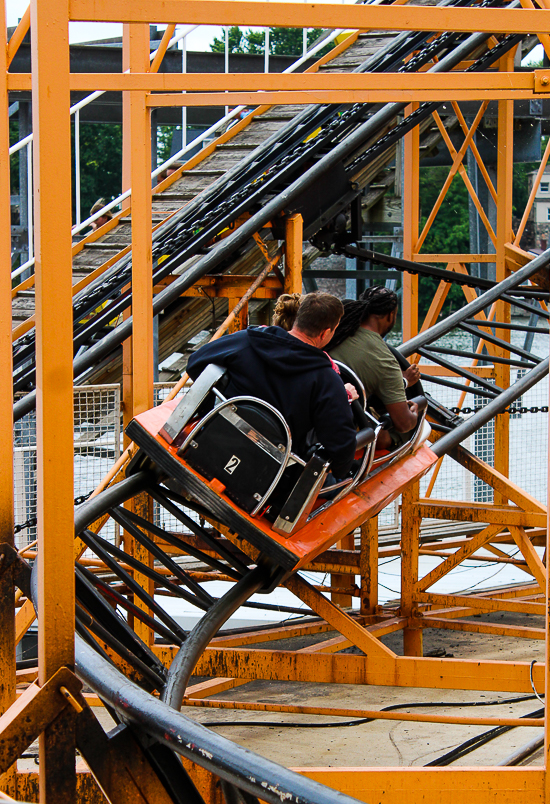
(50, 705)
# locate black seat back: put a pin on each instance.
(244, 445)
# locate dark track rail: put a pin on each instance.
(271, 172)
(278, 176)
(98, 622)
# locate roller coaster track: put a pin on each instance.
(281, 175)
(276, 177)
(124, 671)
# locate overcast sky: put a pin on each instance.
(197, 40)
(88, 31)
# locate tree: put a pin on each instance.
(449, 233)
(100, 163)
(282, 41)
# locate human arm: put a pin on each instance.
(404, 415)
(333, 423)
(412, 375)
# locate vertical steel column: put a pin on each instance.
(142, 349)
(54, 379)
(547, 652)
(505, 167)
(294, 234)
(368, 566)
(411, 215)
(127, 400)
(126, 147)
(7, 619)
(142, 246)
(343, 580)
(410, 539)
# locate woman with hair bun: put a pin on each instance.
(284, 316)
(359, 343)
(286, 310)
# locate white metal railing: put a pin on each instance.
(180, 36)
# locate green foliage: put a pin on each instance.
(282, 41)
(14, 158)
(449, 233)
(100, 163)
(164, 142)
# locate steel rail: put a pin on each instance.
(412, 346)
(239, 237)
(306, 122)
(184, 662)
(426, 269)
(239, 766)
(91, 295)
(494, 407)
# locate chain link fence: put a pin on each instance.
(97, 442)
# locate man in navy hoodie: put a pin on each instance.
(290, 371)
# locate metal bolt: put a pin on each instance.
(544, 80)
(281, 448)
(315, 474)
(257, 496)
(193, 444)
(287, 518)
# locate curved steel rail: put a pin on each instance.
(264, 174)
(160, 720)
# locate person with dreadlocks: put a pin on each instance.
(359, 343)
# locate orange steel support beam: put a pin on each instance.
(7, 618)
(369, 566)
(142, 260)
(476, 785)
(294, 229)
(461, 555)
(139, 348)
(481, 165)
(547, 662)
(401, 671)
(329, 15)
(410, 538)
(341, 621)
(18, 35)
(54, 379)
(472, 86)
(167, 35)
(375, 714)
(295, 87)
(505, 170)
(462, 170)
(457, 164)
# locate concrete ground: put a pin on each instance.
(382, 743)
(377, 743)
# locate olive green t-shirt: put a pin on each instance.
(369, 357)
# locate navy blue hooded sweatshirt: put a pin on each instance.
(294, 377)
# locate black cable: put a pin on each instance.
(476, 742)
(392, 708)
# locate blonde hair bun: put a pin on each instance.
(286, 310)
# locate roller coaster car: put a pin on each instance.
(234, 457)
